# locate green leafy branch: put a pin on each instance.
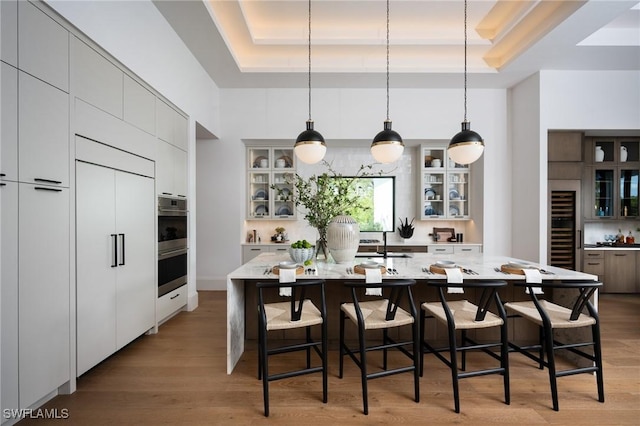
(326, 195)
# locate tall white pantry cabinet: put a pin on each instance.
(35, 206)
(82, 140)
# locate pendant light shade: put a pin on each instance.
(466, 146)
(310, 147)
(387, 146)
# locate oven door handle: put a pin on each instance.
(171, 212)
(167, 254)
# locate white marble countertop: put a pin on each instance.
(408, 243)
(483, 267)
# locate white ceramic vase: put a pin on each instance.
(343, 238)
(599, 154)
(623, 154)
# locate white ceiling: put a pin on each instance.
(264, 43)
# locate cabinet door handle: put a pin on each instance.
(183, 196)
(619, 254)
(41, 188)
(579, 235)
(176, 295)
(3, 184)
(122, 250)
(114, 242)
(256, 249)
(593, 264)
(2, 175)
(440, 249)
(57, 182)
(167, 193)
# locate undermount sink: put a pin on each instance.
(389, 254)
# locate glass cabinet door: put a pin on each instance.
(628, 192)
(434, 194)
(283, 206)
(457, 195)
(603, 193)
(258, 195)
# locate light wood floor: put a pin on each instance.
(179, 377)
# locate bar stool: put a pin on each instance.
(464, 315)
(299, 312)
(550, 316)
(381, 314)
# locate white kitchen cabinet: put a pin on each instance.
(171, 166)
(44, 291)
(136, 281)
(116, 260)
(171, 303)
(9, 294)
(443, 185)
(267, 166)
(252, 250)
(43, 46)
(96, 80)
(172, 126)
(440, 249)
(43, 125)
(466, 249)
(9, 123)
(139, 106)
(9, 32)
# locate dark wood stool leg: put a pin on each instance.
(342, 315)
(363, 368)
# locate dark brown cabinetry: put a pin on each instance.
(611, 178)
(620, 271)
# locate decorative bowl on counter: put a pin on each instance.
(301, 255)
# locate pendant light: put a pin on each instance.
(387, 146)
(310, 147)
(466, 146)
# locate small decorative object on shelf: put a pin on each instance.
(406, 229)
(280, 236)
(599, 154)
(630, 239)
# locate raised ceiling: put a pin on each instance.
(263, 43)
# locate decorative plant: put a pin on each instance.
(325, 196)
(405, 229)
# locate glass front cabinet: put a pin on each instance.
(443, 187)
(612, 183)
(269, 167)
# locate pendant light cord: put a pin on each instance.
(387, 60)
(309, 44)
(465, 60)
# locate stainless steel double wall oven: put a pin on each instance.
(172, 244)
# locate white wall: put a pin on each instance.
(352, 117)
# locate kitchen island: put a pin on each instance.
(407, 266)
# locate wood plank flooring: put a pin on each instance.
(179, 377)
